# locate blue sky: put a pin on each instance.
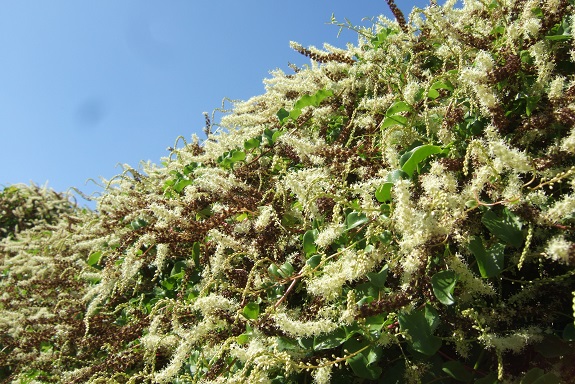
(85, 85)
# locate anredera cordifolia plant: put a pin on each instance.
(400, 211)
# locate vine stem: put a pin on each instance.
(293, 283)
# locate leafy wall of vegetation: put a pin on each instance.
(398, 211)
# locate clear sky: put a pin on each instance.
(85, 85)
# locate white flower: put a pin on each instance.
(322, 375)
(515, 342)
(329, 234)
(299, 328)
(559, 249)
(556, 88)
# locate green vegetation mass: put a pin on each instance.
(400, 211)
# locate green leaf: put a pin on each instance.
(398, 107)
(330, 340)
(376, 322)
(506, 228)
(169, 284)
(181, 184)
(270, 136)
(393, 120)
(434, 94)
(304, 101)
(274, 271)
(178, 270)
(251, 310)
(379, 278)
(282, 115)
(538, 376)
(569, 332)
(138, 223)
(560, 32)
(443, 284)
(314, 261)
(491, 378)
(410, 160)
(94, 258)
(457, 371)
(552, 347)
(252, 143)
(196, 254)
(309, 238)
(364, 364)
(419, 325)
(313, 100)
(432, 317)
(490, 261)
(246, 336)
(237, 155)
(355, 219)
(383, 193)
(286, 270)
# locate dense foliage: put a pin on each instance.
(398, 211)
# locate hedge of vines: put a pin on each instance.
(400, 211)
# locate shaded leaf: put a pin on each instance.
(457, 371)
(364, 363)
(490, 261)
(506, 228)
(378, 278)
(443, 284)
(419, 325)
(330, 340)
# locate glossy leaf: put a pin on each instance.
(410, 160)
(274, 271)
(314, 261)
(252, 143)
(490, 261)
(251, 311)
(419, 325)
(94, 258)
(393, 120)
(309, 238)
(286, 270)
(443, 284)
(398, 107)
(355, 219)
(383, 193)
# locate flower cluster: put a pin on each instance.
(401, 210)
